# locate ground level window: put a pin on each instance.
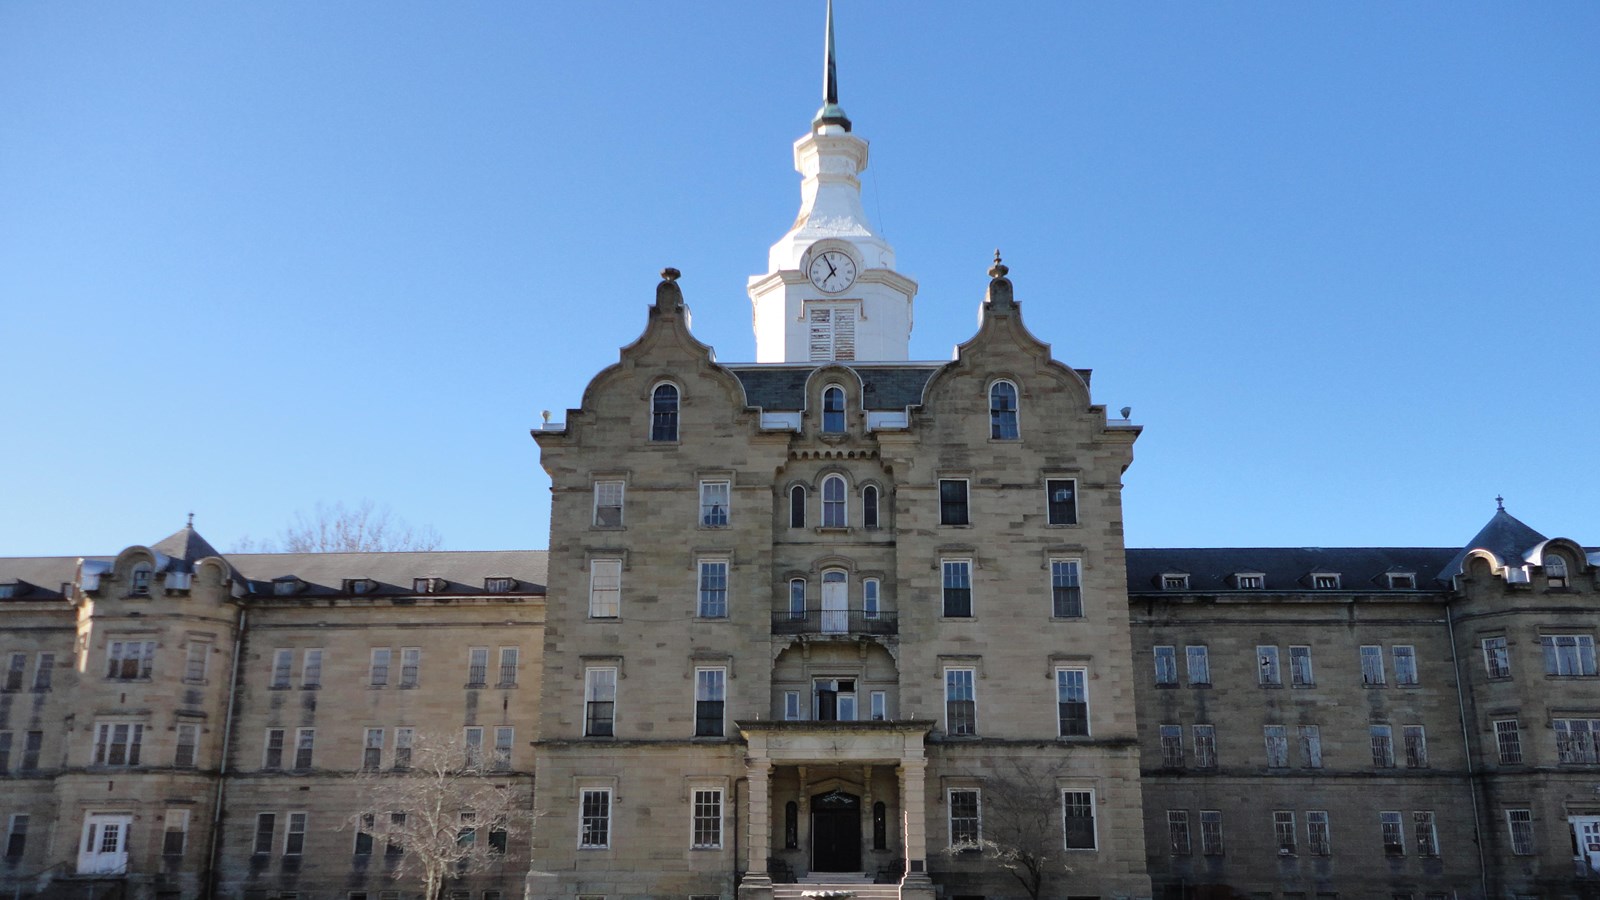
(1078, 815)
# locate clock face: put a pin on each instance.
(832, 271)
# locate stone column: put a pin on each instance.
(913, 804)
(757, 884)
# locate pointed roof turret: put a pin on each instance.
(831, 112)
(185, 544)
(1506, 536)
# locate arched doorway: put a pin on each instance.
(835, 832)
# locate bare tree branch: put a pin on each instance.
(362, 528)
(1021, 823)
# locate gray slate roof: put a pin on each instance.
(1286, 568)
(463, 570)
(884, 387)
(41, 575)
(1505, 536)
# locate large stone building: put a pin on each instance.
(835, 615)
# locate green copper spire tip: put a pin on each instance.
(831, 112)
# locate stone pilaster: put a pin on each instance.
(757, 884)
(914, 801)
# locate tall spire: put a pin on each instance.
(830, 113)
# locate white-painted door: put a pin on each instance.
(835, 603)
(104, 847)
(1586, 829)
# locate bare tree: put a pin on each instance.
(362, 528)
(1022, 824)
(442, 812)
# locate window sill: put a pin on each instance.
(832, 529)
(1063, 524)
(1307, 685)
(955, 524)
(958, 618)
(1067, 618)
(475, 686)
(608, 528)
(1204, 686)
(506, 685)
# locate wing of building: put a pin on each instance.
(833, 621)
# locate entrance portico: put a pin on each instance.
(812, 799)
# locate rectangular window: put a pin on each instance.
(1519, 822)
(1276, 738)
(305, 740)
(705, 830)
(1072, 701)
(1382, 741)
(710, 687)
(43, 674)
(394, 844)
(714, 504)
(869, 598)
(1283, 831)
(504, 739)
(605, 588)
(188, 746)
(272, 754)
(294, 837)
(378, 673)
(957, 588)
(410, 666)
(960, 703)
(1568, 654)
(403, 739)
(5, 752)
(1318, 840)
(1078, 815)
(1178, 831)
(1166, 665)
(174, 832)
(608, 504)
(1300, 671)
(478, 667)
(1372, 664)
(311, 670)
(1061, 500)
(1199, 664)
(600, 701)
(16, 671)
(17, 837)
(117, 743)
(1310, 746)
(1394, 839)
(1171, 746)
(134, 660)
(509, 659)
(713, 589)
(1268, 672)
(32, 744)
(472, 746)
(1496, 657)
(1250, 581)
(1325, 581)
(1066, 596)
(1405, 664)
(594, 831)
(1576, 741)
(1508, 740)
(880, 706)
(791, 706)
(1416, 740)
(282, 665)
(1211, 832)
(1205, 746)
(965, 826)
(1427, 836)
(372, 749)
(953, 501)
(364, 832)
(266, 824)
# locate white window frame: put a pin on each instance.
(1015, 410)
(706, 603)
(966, 501)
(792, 711)
(1094, 820)
(174, 817)
(1372, 670)
(966, 676)
(1205, 745)
(1166, 664)
(712, 513)
(372, 749)
(1269, 669)
(706, 808)
(1522, 839)
(843, 411)
(472, 746)
(1302, 672)
(976, 818)
(1325, 581)
(1392, 833)
(1179, 842)
(294, 833)
(267, 748)
(510, 664)
(1072, 514)
(410, 667)
(605, 588)
(305, 739)
(1276, 739)
(584, 840)
(1406, 673)
(676, 412)
(405, 738)
(597, 681)
(1066, 574)
(477, 667)
(282, 668)
(188, 736)
(1212, 842)
(609, 497)
(710, 680)
(1425, 832)
(835, 509)
(1197, 659)
(379, 663)
(1319, 845)
(196, 657)
(878, 706)
(1415, 738)
(871, 598)
(1556, 653)
(1170, 743)
(106, 739)
(963, 567)
(1507, 741)
(1065, 675)
(1496, 657)
(311, 669)
(505, 748)
(1309, 737)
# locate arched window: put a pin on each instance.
(1003, 411)
(139, 580)
(869, 598)
(835, 602)
(833, 410)
(797, 507)
(791, 825)
(664, 413)
(869, 507)
(797, 599)
(833, 505)
(1555, 569)
(880, 826)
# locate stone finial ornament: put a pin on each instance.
(668, 294)
(999, 269)
(999, 296)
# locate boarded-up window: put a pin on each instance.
(832, 333)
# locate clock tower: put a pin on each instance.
(830, 291)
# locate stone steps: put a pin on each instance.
(860, 887)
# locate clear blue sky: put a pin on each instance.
(1342, 259)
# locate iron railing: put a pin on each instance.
(835, 621)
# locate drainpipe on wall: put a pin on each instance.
(222, 766)
(1466, 745)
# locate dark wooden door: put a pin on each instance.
(836, 832)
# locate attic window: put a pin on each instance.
(499, 585)
(427, 585)
(286, 587)
(360, 585)
(139, 582)
(1250, 581)
(1175, 582)
(8, 590)
(1402, 581)
(1325, 581)
(1555, 570)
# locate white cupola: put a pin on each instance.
(830, 291)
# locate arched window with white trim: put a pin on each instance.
(1003, 411)
(797, 507)
(835, 513)
(664, 413)
(797, 599)
(833, 409)
(1555, 569)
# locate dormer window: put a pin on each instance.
(1250, 581)
(1175, 582)
(1555, 570)
(360, 585)
(664, 413)
(833, 410)
(499, 585)
(1325, 581)
(1402, 581)
(8, 590)
(286, 587)
(430, 585)
(1003, 411)
(139, 580)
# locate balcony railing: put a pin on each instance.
(834, 621)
